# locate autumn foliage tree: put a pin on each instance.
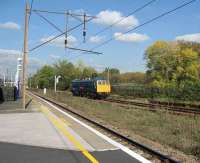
(174, 64)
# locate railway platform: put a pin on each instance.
(44, 133)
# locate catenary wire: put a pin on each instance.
(147, 22)
(141, 25)
(30, 12)
(36, 47)
(120, 20)
(49, 22)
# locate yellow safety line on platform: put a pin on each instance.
(64, 121)
(62, 128)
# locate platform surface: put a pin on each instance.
(9, 106)
(43, 134)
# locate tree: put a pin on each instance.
(67, 72)
(132, 77)
(114, 74)
(89, 72)
(172, 62)
(44, 78)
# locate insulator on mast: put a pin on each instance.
(65, 42)
(84, 27)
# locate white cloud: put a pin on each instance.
(195, 37)
(108, 17)
(55, 57)
(131, 37)
(34, 64)
(9, 52)
(8, 61)
(9, 25)
(96, 39)
(59, 42)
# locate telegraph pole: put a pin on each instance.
(25, 55)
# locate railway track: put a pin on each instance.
(158, 106)
(176, 104)
(163, 158)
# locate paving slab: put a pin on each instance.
(11, 105)
(29, 129)
(91, 138)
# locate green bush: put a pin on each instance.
(188, 91)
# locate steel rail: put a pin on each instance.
(178, 104)
(157, 105)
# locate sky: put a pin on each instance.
(125, 52)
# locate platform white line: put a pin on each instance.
(113, 142)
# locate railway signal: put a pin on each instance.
(56, 82)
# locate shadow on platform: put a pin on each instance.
(18, 153)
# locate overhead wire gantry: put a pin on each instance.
(83, 18)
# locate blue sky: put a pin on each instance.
(125, 53)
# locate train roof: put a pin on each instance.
(87, 80)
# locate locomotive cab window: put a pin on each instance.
(104, 82)
(99, 82)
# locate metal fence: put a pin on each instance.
(8, 94)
